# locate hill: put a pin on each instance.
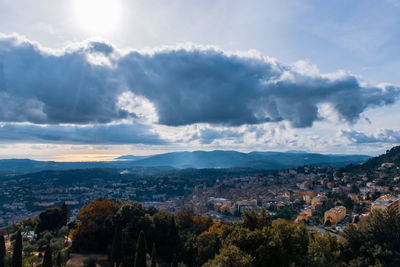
(234, 159)
(373, 164)
(195, 159)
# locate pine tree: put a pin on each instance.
(58, 259)
(17, 254)
(2, 250)
(174, 262)
(140, 256)
(116, 255)
(47, 257)
(154, 256)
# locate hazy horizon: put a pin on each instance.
(83, 157)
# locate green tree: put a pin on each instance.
(65, 213)
(376, 241)
(47, 259)
(348, 203)
(324, 250)
(51, 220)
(133, 218)
(165, 233)
(230, 256)
(154, 256)
(116, 254)
(58, 259)
(208, 244)
(354, 189)
(253, 220)
(17, 253)
(2, 250)
(174, 262)
(140, 255)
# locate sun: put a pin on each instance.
(97, 16)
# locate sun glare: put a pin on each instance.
(97, 16)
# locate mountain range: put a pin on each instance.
(195, 159)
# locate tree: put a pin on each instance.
(376, 241)
(58, 259)
(348, 203)
(230, 256)
(116, 254)
(324, 250)
(47, 259)
(154, 256)
(354, 189)
(133, 218)
(94, 229)
(207, 246)
(17, 254)
(174, 262)
(51, 220)
(65, 213)
(165, 233)
(254, 220)
(140, 255)
(2, 250)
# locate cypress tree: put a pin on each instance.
(140, 255)
(174, 262)
(2, 250)
(17, 254)
(58, 259)
(47, 257)
(116, 254)
(64, 213)
(154, 256)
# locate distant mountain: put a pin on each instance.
(296, 151)
(234, 159)
(18, 166)
(131, 157)
(195, 159)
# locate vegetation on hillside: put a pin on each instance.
(132, 235)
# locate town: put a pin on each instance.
(314, 195)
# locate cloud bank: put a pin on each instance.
(81, 84)
(94, 93)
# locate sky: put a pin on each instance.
(95, 79)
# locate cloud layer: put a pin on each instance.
(99, 134)
(381, 136)
(82, 84)
(93, 93)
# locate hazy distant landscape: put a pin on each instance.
(196, 159)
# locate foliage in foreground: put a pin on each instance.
(256, 241)
(133, 235)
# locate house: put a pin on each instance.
(335, 215)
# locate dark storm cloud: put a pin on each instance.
(100, 134)
(185, 85)
(40, 87)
